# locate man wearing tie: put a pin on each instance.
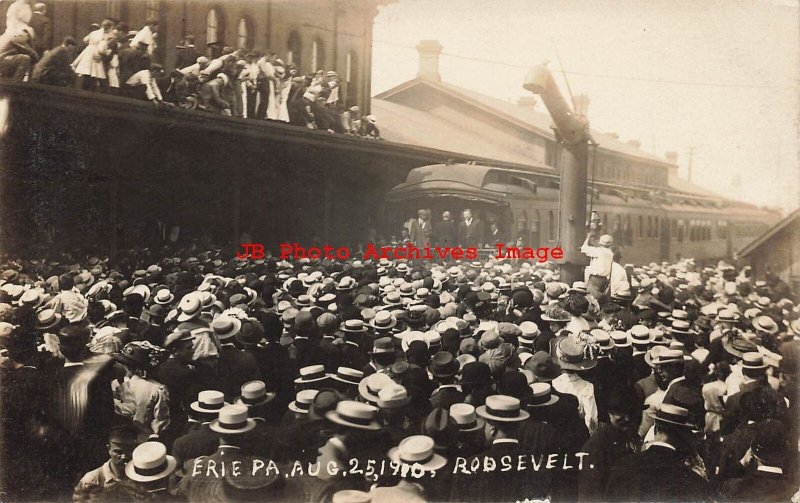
(470, 230)
(420, 230)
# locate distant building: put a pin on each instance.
(777, 251)
(312, 34)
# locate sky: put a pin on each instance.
(719, 79)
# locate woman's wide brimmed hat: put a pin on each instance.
(572, 354)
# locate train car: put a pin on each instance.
(648, 225)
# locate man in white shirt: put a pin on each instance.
(142, 85)
(196, 68)
(601, 258)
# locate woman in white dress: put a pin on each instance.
(279, 87)
(89, 64)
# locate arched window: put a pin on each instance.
(213, 27)
(317, 55)
(244, 34)
(153, 10)
(293, 49)
(551, 226)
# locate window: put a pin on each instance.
(153, 10)
(114, 9)
(656, 229)
(674, 229)
(649, 227)
(213, 27)
(641, 226)
(317, 55)
(293, 48)
(681, 230)
(244, 34)
(551, 226)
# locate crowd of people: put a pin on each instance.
(116, 60)
(191, 375)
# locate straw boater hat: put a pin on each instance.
(354, 327)
(660, 355)
(150, 462)
(226, 327)
(354, 414)
(737, 345)
(233, 420)
(726, 315)
(417, 451)
(209, 402)
(47, 319)
(753, 361)
(348, 376)
(640, 335)
(303, 400)
(163, 297)
(621, 339)
(311, 373)
(393, 396)
(502, 408)
(370, 386)
(678, 314)
(603, 339)
(382, 346)
(254, 393)
(671, 414)
(542, 395)
(681, 327)
(765, 324)
(190, 307)
(383, 320)
(466, 418)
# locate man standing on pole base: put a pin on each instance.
(601, 258)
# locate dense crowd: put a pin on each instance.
(238, 82)
(189, 375)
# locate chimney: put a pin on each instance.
(429, 51)
(635, 143)
(581, 103)
(527, 102)
(613, 135)
(671, 156)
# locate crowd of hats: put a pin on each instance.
(369, 340)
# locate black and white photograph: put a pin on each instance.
(399, 251)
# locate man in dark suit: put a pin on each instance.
(82, 405)
(659, 473)
(54, 69)
(445, 233)
(187, 55)
(470, 230)
(444, 368)
(504, 419)
(132, 60)
(420, 230)
(765, 479)
(42, 29)
(234, 367)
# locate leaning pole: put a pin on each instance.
(572, 132)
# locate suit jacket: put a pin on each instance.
(657, 474)
(55, 68)
(445, 233)
(43, 31)
(353, 356)
(689, 397)
(734, 446)
(501, 486)
(758, 485)
(234, 368)
(186, 57)
(199, 442)
(446, 396)
(563, 416)
(471, 235)
(420, 235)
(606, 447)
